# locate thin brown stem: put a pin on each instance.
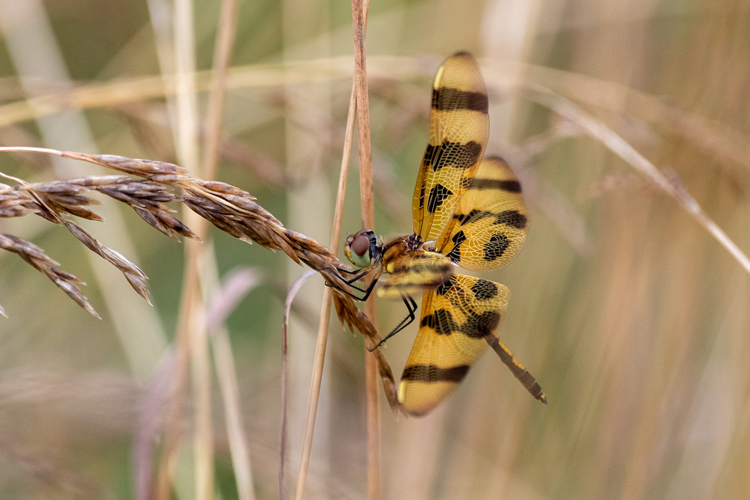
(222, 57)
(192, 347)
(213, 132)
(368, 221)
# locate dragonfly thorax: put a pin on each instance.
(414, 242)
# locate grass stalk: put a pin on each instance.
(227, 377)
(228, 208)
(33, 46)
(315, 384)
(317, 377)
(716, 138)
(192, 347)
(284, 391)
(615, 143)
(359, 15)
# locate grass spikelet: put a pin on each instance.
(14, 203)
(39, 260)
(132, 273)
(227, 207)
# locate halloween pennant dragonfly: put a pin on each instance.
(466, 210)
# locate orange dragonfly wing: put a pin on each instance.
(455, 321)
(459, 129)
(490, 223)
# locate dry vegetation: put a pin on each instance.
(627, 123)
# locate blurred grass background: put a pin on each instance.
(631, 316)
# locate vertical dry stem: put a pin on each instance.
(368, 221)
(227, 376)
(326, 308)
(220, 342)
(314, 392)
(312, 407)
(222, 57)
(191, 334)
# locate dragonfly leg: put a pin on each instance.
(359, 273)
(411, 307)
(366, 292)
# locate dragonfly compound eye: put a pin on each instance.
(358, 249)
(361, 244)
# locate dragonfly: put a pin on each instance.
(468, 210)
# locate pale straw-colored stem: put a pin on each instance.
(284, 377)
(192, 343)
(600, 131)
(227, 376)
(238, 448)
(326, 307)
(312, 407)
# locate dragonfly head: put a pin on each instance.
(362, 248)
